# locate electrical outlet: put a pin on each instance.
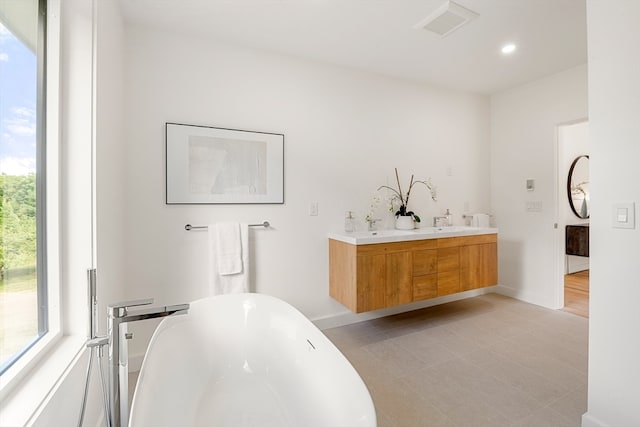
(313, 209)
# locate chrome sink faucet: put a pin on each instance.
(119, 315)
(372, 224)
(440, 221)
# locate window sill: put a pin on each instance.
(24, 395)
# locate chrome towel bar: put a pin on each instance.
(190, 227)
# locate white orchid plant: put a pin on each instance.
(579, 189)
(375, 201)
(400, 200)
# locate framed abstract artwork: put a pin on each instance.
(209, 165)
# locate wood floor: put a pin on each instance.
(576, 293)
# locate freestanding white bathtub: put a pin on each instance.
(247, 360)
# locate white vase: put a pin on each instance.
(405, 223)
(583, 209)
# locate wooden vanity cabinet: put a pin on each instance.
(375, 276)
(479, 262)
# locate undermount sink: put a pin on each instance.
(421, 230)
(381, 233)
(451, 229)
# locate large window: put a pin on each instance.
(23, 299)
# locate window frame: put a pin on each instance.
(41, 189)
(41, 174)
(49, 347)
(35, 387)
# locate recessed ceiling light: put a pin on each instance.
(508, 48)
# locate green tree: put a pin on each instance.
(17, 221)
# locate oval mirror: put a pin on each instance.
(578, 187)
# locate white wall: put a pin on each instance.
(524, 122)
(110, 167)
(344, 131)
(614, 108)
(573, 141)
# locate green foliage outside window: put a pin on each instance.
(17, 222)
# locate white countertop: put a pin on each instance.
(387, 236)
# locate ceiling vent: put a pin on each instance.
(446, 19)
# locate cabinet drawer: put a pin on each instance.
(387, 248)
(448, 259)
(450, 242)
(425, 287)
(448, 282)
(479, 239)
(425, 262)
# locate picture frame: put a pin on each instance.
(212, 165)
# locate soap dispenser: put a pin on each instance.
(449, 218)
(348, 221)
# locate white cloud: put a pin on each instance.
(23, 111)
(21, 128)
(22, 123)
(4, 57)
(17, 166)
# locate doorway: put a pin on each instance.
(576, 293)
(573, 216)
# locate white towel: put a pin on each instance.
(228, 248)
(229, 258)
(480, 220)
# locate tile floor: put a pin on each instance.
(485, 361)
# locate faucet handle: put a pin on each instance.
(132, 303)
(119, 309)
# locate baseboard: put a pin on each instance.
(523, 296)
(576, 263)
(348, 318)
(590, 421)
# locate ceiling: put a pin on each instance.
(379, 35)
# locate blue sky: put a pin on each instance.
(18, 76)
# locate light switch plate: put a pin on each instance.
(623, 215)
(531, 184)
(534, 206)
